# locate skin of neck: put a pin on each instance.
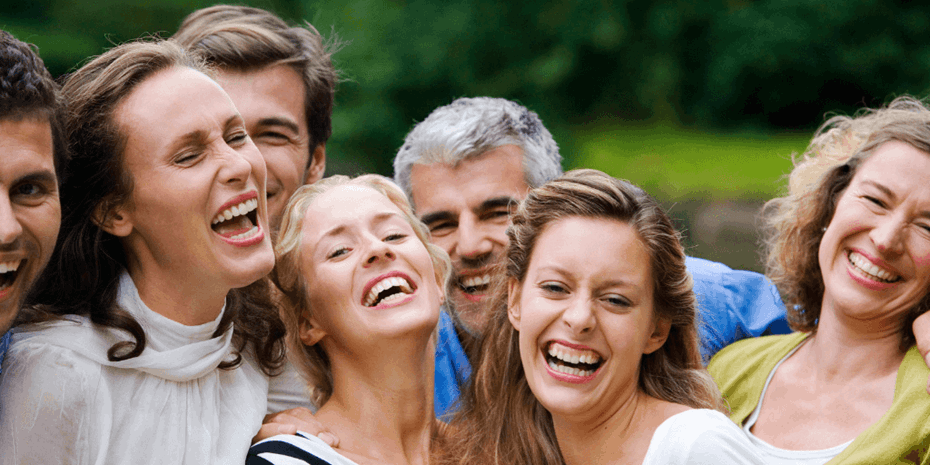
(843, 348)
(382, 403)
(594, 439)
(185, 299)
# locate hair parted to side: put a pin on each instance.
(82, 276)
(287, 275)
(794, 223)
(241, 38)
(469, 127)
(500, 420)
(27, 91)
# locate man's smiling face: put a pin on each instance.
(467, 209)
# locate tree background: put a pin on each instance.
(701, 103)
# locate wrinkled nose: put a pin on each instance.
(888, 235)
(10, 229)
(579, 316)
(379, 251)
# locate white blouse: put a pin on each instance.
(63, 401)
(698, 437)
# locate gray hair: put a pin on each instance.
(469, 127)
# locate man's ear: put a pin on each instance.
(513, 303)
(310, 331)
(659, 335)
(114, 219)
(317, 165)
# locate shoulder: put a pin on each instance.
(748, 354)
(299, 449)
(700, 436)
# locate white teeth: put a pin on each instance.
(476, 281)
(6, 267)
(569, 370)
(387, 283)
(867, 267)
(236, 210)
(246, 234)
(570, 355)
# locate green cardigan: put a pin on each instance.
(901, 436)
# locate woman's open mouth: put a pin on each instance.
(9, 271)
(571, 361)
(238, 223)
(388, 290)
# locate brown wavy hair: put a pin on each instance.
(500, 421)
(795, 223)
(312, 361)
(82, 277)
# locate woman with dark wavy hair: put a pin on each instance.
(139, 344)
(592, 356)
(849, 249)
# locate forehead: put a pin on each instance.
(26, 146)
(898, 166)
(273, 91)
(444, 187)
(345, 205)
(171, 103)
(602, 248)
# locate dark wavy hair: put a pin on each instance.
(82, 277)
(500, 421)
(27, 91)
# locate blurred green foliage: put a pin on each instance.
(588, 68)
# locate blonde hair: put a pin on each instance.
(795, 223)
(500, 420)
(295, 305)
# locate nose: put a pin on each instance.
(378, 251)
(10, 229)
(888, 235)
(579, 316)
(236, 168)
(472, 240)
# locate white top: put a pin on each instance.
(300, 449)
(700, 436)
(776, 455)
(64, 402)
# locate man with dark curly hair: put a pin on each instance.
(33, 151)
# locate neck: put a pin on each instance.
(382, 403)
(840, 351)
(176, 300)
(595, 440)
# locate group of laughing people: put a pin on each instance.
(184, 286)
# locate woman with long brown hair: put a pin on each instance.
(592, 352)
(138, 346)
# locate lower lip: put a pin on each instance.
(574, 379)
(866, 282)
(406, 300)
(472, 297)
(247, 242)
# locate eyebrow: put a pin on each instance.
(888, 192)
(44, 176)
(379, 218)
(280, 122)
(489, 204)
(199, 136)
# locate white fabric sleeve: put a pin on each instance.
(48, 398)
(700, 436)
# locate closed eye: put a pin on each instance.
(553, 288)
(338, 252)
(875, 201)
(616, 300)
(394, 237)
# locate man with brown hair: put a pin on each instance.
(33, 152)
(281, 79)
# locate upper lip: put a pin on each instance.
(877, 262)
(236, 201)
(465, 274)
(371, 283)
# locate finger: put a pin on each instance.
(273, 429)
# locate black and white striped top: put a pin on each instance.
(299, 449)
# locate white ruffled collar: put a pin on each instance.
(173, 351)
